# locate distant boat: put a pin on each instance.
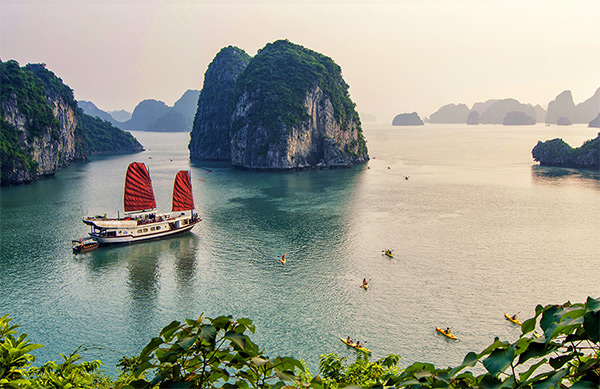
(141, 221)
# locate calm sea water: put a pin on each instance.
(477, 230)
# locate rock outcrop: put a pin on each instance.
(587, 110)
(473, 118)
(146, 113)
(561, 106)
(450, 113)
(517, 118)
(482, 106)
(595, 122)
(557, 152)
(563, 121)
(155, 115)
(90, 108)
(42, 127)
(293, 111)
(407, 119)
(210, 138)
(496, 112)
(540, 114)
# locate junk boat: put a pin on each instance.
(141, 221)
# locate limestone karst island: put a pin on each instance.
(287, 108)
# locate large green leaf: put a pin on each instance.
(237, 338)
(525, 376)
(591, 325)
(169, 329)
(499, 360)
(153, 345)
(496, 345)
(208, 334)
(593, 304)
(528, 325)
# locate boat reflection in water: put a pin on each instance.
(160, 269)
(142, 222)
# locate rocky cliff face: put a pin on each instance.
(51, 149)
(293, 111)
(318, 142)
(557, 152)
(561, 106)
(43, 129)
(210, 138)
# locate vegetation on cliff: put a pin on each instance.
(280, 75)
(558, 347)
(556, 152)
(29, 96)
(210, 137)
(286, 108)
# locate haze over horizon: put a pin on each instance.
(397, 56)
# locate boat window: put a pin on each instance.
(145, 230)
(158, 227)
(139, 231)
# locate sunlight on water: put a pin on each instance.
(477, 230)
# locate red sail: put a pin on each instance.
(182, 192)
(139, 195)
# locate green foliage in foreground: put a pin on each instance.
(208, 353)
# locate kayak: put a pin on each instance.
(351, 344)
(443, 332)
(389, 253)
(365, 286)
(509, 317)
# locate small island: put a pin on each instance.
(407, 119)
(557, 152)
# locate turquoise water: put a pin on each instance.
(477, 230)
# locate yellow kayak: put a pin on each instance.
(514, 320)
(446, 334)
(352, 344)
(365, 286)
(389, 253)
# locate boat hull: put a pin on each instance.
(124, 239)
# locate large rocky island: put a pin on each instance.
(42, 129)
(557, 152)
(289, 109)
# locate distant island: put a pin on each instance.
(564, 107)
(287, 108)
(557, 152)
(407, 119)
(512, 112)
(517, 118)
(151, 115)
(43, 129)
(595, 122)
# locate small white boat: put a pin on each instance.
(141, 221)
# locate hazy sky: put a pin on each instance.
(397, 56)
